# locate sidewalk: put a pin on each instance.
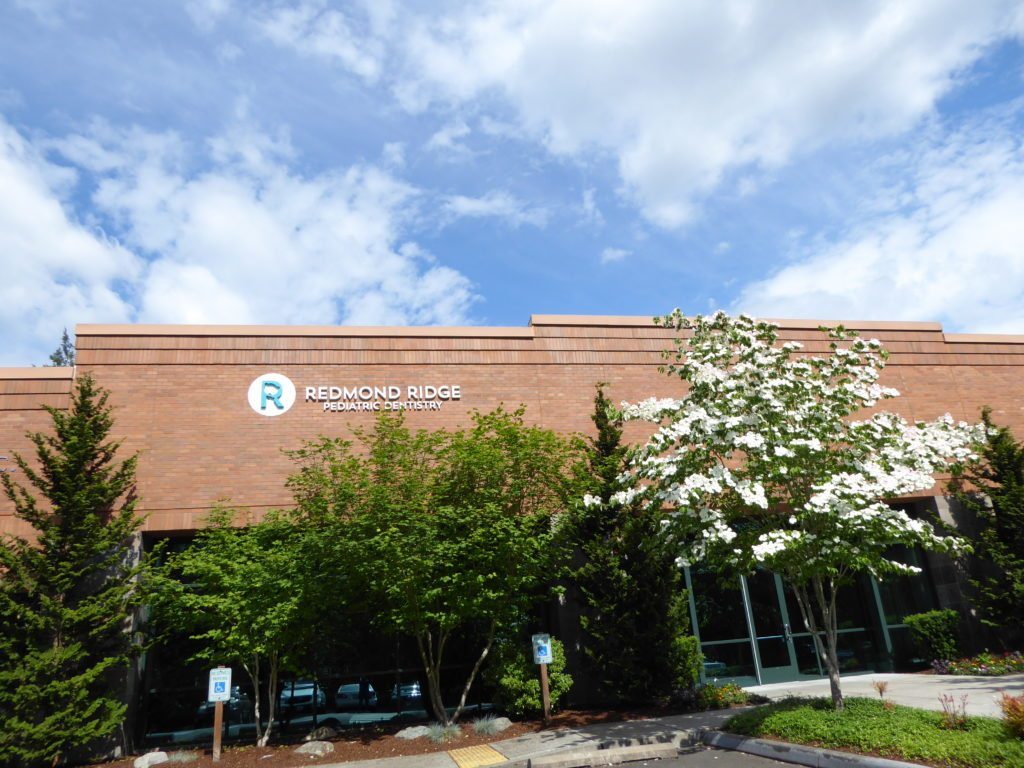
(912, 690)
(533, 745)
(921, 691)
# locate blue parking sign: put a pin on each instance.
(220, 685)
(542, 649)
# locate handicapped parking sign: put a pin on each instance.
(220, 685)
(542, 649)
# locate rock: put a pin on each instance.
(413, 732)
(323, 733)
(182, 757)
(502, 724)
(150, 759)
(316, 748)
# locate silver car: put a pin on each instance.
(347, 696)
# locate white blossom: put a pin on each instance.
(761, 429)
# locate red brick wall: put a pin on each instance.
(180, 391)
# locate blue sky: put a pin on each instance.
(380, 162)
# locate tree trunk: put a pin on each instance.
(432, 666)
(826, 650)
(254, 676)
(271, 700)
(827, 604)
(472, 674)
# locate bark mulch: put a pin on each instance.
(371, 742)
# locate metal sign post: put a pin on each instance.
(218, 691)
(542, 655)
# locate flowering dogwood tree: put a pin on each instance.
(770, 461)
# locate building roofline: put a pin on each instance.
(436, 331)
(794, 324)
(422, 331)
(37, 372)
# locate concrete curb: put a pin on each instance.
(585, 758)
(813, 757)
(630, 750)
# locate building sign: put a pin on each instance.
(274, 393)
(271, 394)
(414, 397)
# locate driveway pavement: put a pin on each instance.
(912, 690)
(530, 745)
(921, 691)
(719, 758)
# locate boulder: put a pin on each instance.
(502, 724)
(323, 733)
(413, 732)
(183, 756)
(150, 759)
(316, 748)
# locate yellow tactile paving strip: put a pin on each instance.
(472, 757)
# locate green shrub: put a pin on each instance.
(687, 661)
(486, 725)
(897, 732)
(441, 734)
(721, 696)
(516, 679)
(935, 633)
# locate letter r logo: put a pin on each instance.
(271, 394)
(272, 391)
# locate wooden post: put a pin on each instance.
(545, 694)
(218, 726)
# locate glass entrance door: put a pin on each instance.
(772, 628)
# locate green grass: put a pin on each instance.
(900, 733)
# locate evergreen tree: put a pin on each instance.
(998, 578)
(66, 597)
(64, 355)
(634, 615)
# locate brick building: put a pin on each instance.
(192, 401)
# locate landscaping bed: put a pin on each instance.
(372, 742)
(986, 664)
(869, 726)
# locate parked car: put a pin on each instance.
(300, 697)
(347, 696)
(237, 709)
(411, 693)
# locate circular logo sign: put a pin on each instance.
(271, 394)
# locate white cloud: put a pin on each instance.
(206, 14)
(693, 97)
(354, 41)
(609, 255)
(496, 204)
(245, 240)
(393, 154)
(591, 213)
(446, 138)
(55, 270)
(949, 248)
(49, 12)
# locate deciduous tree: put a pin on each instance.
(451, 532)
(771, 461)
(243, 593)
